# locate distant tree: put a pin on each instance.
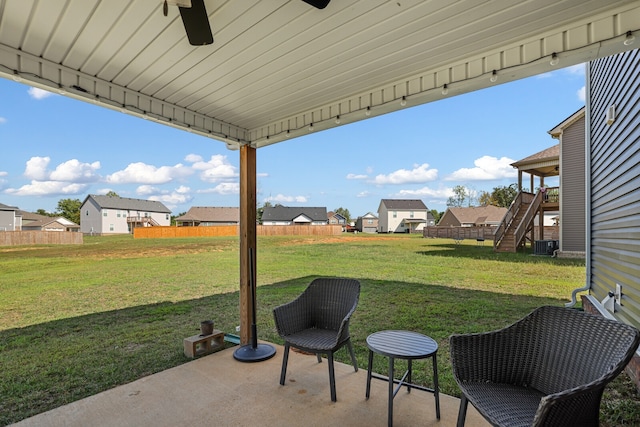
(503, 195)
(484, 199)
(458, 198)
(112, 194)
(344, 212)
(436, 215)
(173, 217)
(260, 211)
(70, 209)
(43, 212)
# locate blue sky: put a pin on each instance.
(56, 148)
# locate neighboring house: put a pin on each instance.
(336, 219)
(284, 215)
(403, 216)
(120, 215)
(10, 219)
(201, 216)
(571, 134)
(473, 216)
(368, 223)
(33, 221)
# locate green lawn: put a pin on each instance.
(76, 320)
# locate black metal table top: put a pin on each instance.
(402, 344)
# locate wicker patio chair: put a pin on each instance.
(547, 369)
(318, 322)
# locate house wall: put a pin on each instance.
(614, 153)
(7, 221)
(367, 224)
(390, 223)
(90, 218)
(448, 219)
(572, 188)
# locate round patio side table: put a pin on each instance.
(405, 345)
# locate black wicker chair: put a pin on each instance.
(318, 322)
(547, 369)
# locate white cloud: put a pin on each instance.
(281, 198)
(356, 176)
(224, 188)
(363, 194)
(582, 94)
(75, 171)
(48, 188)
(171, 198)
(419, 174)
(216, 169)
(193, 158)
(3, 120)
(3, 173)
(142, 173)
(36, 168)
(36, 93)
(441, 193)
(487, 168)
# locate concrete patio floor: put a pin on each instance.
(217, 390)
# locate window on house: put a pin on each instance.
(167, 217)
(118, 214)
(110, 227)
(411, 214)
(104, 213)
(395, 214)
(87, 212)
(369, 221)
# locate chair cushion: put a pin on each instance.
(313, 339)
(504, 404)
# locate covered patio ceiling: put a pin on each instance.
(280, 69)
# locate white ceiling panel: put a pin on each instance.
(278, 66)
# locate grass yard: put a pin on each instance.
(76, 320)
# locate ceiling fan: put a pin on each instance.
(196, 21)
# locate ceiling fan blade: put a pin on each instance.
(320, 4)
(196, 23)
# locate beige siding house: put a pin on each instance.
(368, 223)
(403, 216)
(120, 215)
(202, 216)
(32, 221)
(473, 216)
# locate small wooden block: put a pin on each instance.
(198, 345)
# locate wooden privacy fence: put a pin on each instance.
(233, 230)
(459, 233)
(34, 237)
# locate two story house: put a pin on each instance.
(403, 216)
(120, 215)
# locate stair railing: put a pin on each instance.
(500, 231)
(527, 219)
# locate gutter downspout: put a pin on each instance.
(587, 172)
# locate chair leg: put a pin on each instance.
(285, 360)
(319, 356)
(332, 376)
(462, 412)
(353, 356)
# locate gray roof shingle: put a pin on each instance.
(123, 203)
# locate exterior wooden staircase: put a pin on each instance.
(518, 220)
